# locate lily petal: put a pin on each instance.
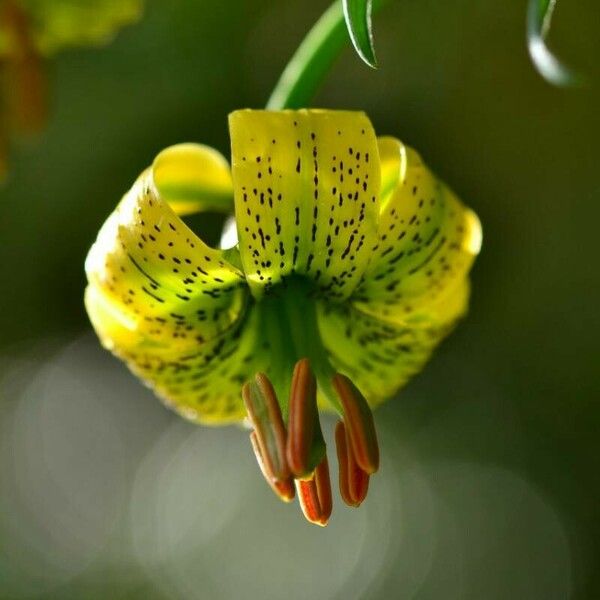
(202, 385)
(379, 356)
(306, 187)
(168, 304)
(392, 161)
(193, 178)
(416, 286)
(427, 243)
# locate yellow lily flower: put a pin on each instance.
(351, 265)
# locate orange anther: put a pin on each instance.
(285, 488)
(265, 415)
(314, 495)
(303, 417)
(358, 421)
(354, 482)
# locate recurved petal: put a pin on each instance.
(379, 356)
(164, 301)
(306, 187)
(163, 279)
(201, 383)
(392, 161)
(193, 178)
(427, 241)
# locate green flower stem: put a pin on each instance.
(313, 59)
(282, 357)
(289, 322)
(300, 314)
(301, 311)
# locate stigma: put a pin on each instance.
(291, 455)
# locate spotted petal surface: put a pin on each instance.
(306, 188)
(163, 300)
(351, 252)
(380, 356)
(415, 288)
(427, 241)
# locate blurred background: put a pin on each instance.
(489, 484)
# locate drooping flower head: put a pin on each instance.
(351, 264)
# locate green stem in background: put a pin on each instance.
(313, 59)
(539, 17)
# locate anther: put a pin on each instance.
(285, 488)
(303, 419)
(270, 437)
(314, 495)
(354, 482)
(359, 425)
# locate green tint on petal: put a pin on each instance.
(204, 385)
(392, 161)
(427, 243)
(379, 356)
(174, 309)
(201, 382)
(306, 187)
(171, 290)
(193, 178)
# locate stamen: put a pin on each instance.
(359, 425)
(354, 482)
(284, 489)
(283, 455)
(314, 495)
(302, 418)
(265, 415)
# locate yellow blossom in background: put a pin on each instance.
(33, 30)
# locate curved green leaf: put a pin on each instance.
(539, 18)
(357, 14)
(313, 59)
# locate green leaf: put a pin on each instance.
(539, 18)
(357, 14)
(311, 62)
(313, 59)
